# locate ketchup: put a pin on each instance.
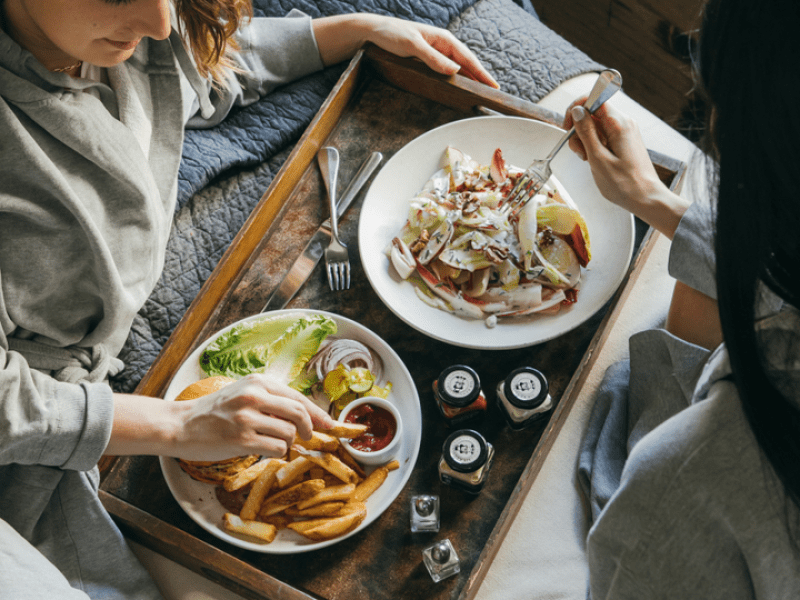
(381, 427)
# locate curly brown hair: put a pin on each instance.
(208, 26)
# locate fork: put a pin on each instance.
(537, 174)
(337, 260)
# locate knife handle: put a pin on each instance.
(355, 185)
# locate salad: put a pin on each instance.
(467, 257)
(302, 351)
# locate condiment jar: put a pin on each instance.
(458, 395)
(524, 397)
(466, 460)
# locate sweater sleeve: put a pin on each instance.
(47, 422)
(272, 52)
(691, 258)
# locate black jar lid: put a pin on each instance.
(526, 388)
(458, 386)
(465, 450)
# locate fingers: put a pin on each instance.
(447, 45)
(255, 415)
(438, 48)
(586, 130)
(318, 417)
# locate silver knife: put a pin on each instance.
(315, 247)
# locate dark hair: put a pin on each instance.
(749, 54)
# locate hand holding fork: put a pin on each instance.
(337, 260)
(537, 174)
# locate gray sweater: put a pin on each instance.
(686, 503)
(88, 184)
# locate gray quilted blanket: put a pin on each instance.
(225, 170)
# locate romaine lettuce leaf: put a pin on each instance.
(279, 346)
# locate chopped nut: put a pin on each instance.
(495, 254)
(545, 237)
(471, 207)
(419, 244)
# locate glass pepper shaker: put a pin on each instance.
(441, 560)
(424, 513)
(524, 397)
(458, 395)
(466, 460)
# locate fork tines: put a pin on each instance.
(339, 276)
(527, 187)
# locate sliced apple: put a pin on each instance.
(567, 221)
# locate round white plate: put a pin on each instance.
(385, 210)
(199, 499)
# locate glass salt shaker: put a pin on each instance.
(424, 513)
(466, 460)
(458, 394)
(524, 397)
(441, 560)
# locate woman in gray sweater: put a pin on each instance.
(94, 98)
(692, 456)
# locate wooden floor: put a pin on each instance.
(648, 41)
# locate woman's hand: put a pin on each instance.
(255, 415)
(612, 144)
(339, 37)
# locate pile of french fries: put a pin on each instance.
(317, 489)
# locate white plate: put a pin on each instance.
(385, 210)
(199, 499)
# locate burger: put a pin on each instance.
(215, 472)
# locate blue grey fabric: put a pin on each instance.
(684, 502)
(635, 397)
(225, 170)
(256, 133)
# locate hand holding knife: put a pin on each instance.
(305, 263)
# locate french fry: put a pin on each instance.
(351, 462)
(335, 527)
(392, 466)
(319, 441)
(373, 481)
(260, 489)
(280, 521)
(347, 509)
(290, 496)
(256, 529)
(351, 507)
(330, 494)
(330, 463)
(303, 526)
(300, 478)
(292, 470)
(242, 478)
(316, 472)
(326, 509)
(347, 431)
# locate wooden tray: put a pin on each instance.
(381, 102)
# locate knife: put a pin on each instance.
(315, 247)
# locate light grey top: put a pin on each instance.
(88, 184)
(698, 512)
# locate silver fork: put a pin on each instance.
(337, 260)
(537, 174)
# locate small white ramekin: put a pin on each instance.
(384, 455)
